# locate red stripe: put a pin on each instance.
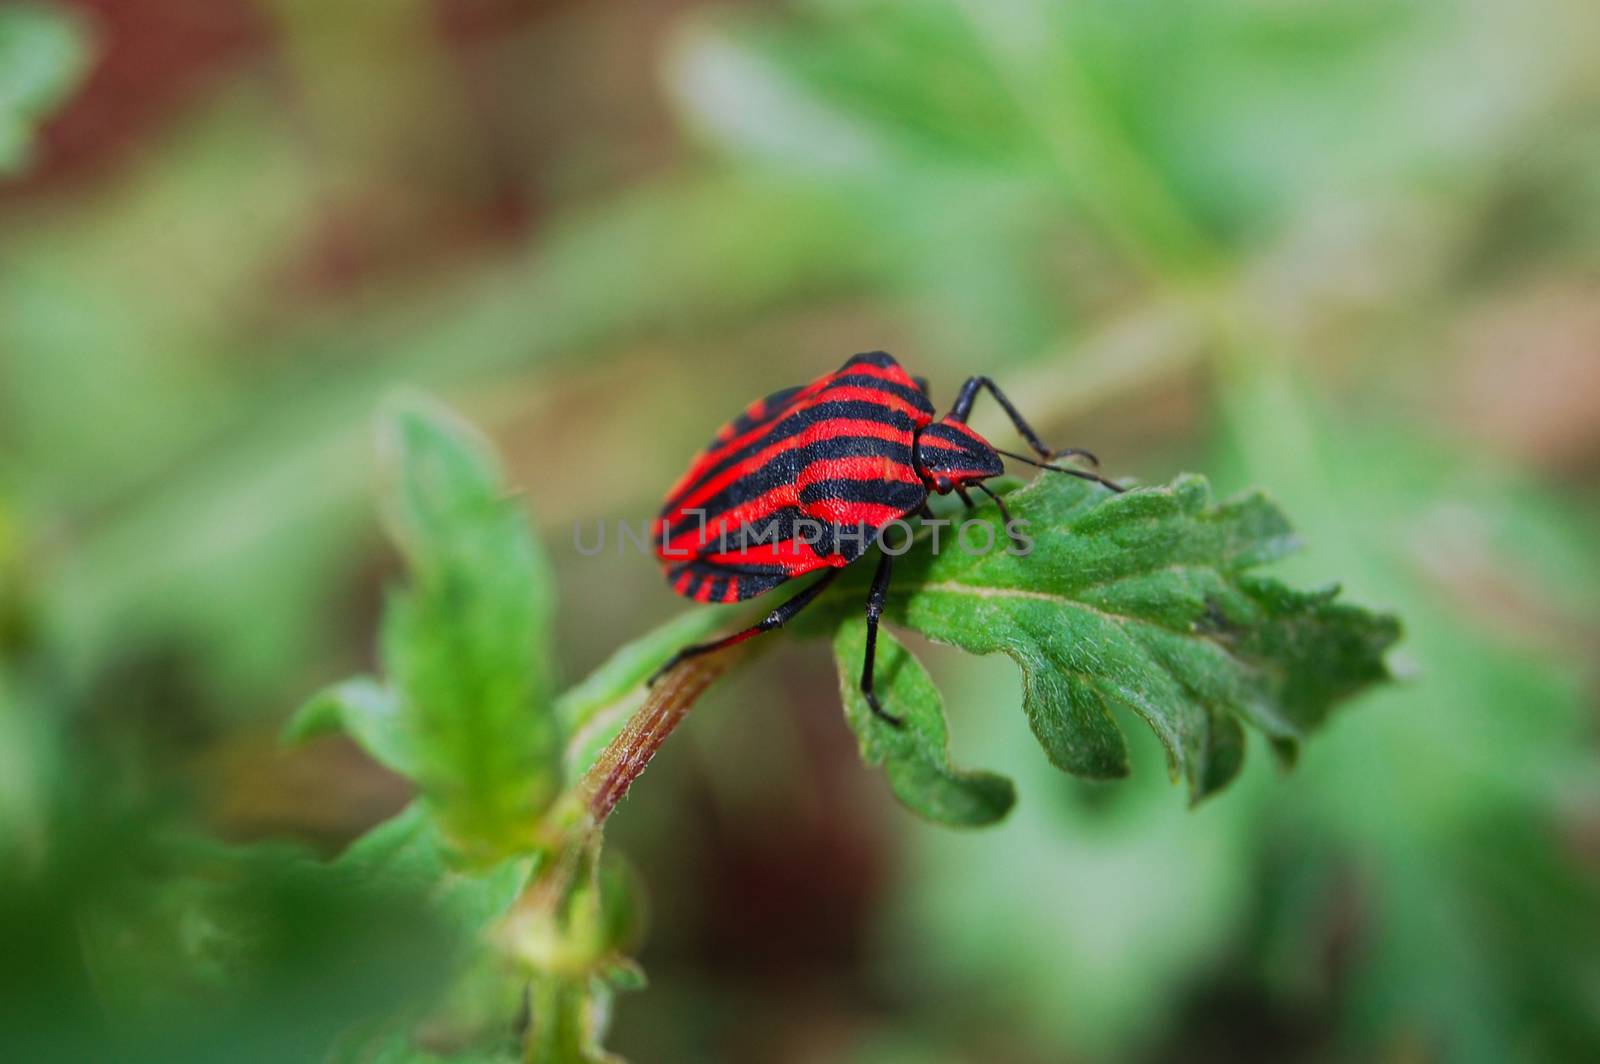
(886, 373)
(831, 429)
(796, 559)
(857, 467)
(871, 515)
(964, 474)
(768, 503)
(726, 443)
(750, 510)
(843, 394)
(784, 552)
(848, 392)
(965, 429)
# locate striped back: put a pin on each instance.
(950, 453)
(801, 480)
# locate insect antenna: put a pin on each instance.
(1081, 474)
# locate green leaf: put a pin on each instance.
(408, 851)
(915, 755)
(1143, 602)
(365, 710)
(466, 642)
(43, 54)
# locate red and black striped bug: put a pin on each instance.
(807, 479)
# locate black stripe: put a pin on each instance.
(903, 496)
(900, 391)
(881, 359)
(753, 579)
(945, 432)
(772, 409)
(785, 526)
(701, 569)
(794, 424)
(696, 578)
(933, 449)
(788, 465)
(774, 403)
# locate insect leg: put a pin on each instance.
(963, 407)
(875, 600)
(776, 619)
(1005, 515)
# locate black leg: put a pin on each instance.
(1005, 516)
(875, 601)
(969, 392)
(776, 619)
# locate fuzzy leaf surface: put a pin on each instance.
(1143, 602)
(465, 643)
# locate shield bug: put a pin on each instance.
(809, 477)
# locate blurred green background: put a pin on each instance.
(1347, 251)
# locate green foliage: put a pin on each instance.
(1141, 602)
(43, 53)
(468, 714)
(408, 850)
(133, 943)
(915, 754)
(1360, 185)
(369, 713)
(469, 717)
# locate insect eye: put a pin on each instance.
(942, 484)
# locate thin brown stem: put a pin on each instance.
(669, 701)
(531, 929)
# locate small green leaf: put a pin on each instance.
(466, 644)
(915, 755)
(407, 851)
(365, 710)
(1143, 602)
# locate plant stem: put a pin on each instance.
(551, 927)
(669, 701)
